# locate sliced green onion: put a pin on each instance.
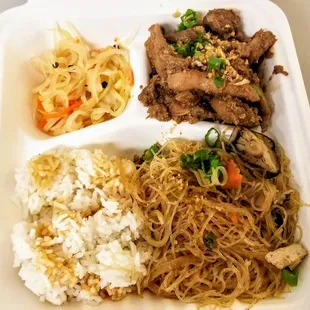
(188, 49)
(218, 81)
(258, 90)
(216, 64)
(204, 167)
(218, 172)
(188, 19)
(191, 48)
(201, 155)
(186, 160)
(181, 27)
(149, 153)
(215, 162)
(212, 137)
(203, 178)
(183, 50)
(208, 164)
(290, 276)
(198, 53)
(210, 240)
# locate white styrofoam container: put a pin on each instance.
(24, 33)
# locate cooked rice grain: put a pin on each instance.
(80, 239)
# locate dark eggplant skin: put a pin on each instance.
(256, 149)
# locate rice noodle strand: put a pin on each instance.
(178, 211)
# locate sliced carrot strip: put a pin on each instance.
(234, 176)
(41, 123)
(234, 218)
(40, 106)
(73, 104)
(132, 78)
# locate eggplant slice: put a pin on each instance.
(256, 149)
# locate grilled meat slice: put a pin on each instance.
(162, 55)
(196, 80)
(224, 22)
(232, 110)
(185, 36)
(260, 43)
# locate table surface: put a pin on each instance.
(297, 12)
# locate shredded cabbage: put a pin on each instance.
(81, 86)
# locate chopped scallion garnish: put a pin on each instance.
(198, 53)
(212, 137)
(215, 63)
(149, 153)
(290, 276)
(218, 81)
(183, 50)
(210, 240)
(188, 19)
(192, 48)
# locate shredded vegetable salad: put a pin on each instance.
(81, 86)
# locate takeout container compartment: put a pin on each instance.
(21, 76)
(24, 32)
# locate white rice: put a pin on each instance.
(80, 238)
